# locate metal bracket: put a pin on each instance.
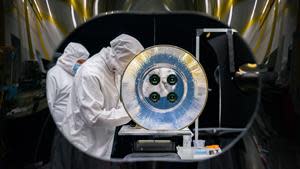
(229, 33)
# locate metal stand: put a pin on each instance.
(229, 33)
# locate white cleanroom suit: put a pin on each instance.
(60, 79)
(95, 109)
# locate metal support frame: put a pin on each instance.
(229, 32)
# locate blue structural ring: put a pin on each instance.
(191, 89)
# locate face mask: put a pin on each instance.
(75, 68)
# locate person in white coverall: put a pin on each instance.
(58, 84)
(95, 109)
(60, 79)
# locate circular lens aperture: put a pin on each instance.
(154, 97)
(172, 79)
(154, 79)
(172, 97)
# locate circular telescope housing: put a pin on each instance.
(164, 88)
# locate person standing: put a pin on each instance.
(95, 110)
